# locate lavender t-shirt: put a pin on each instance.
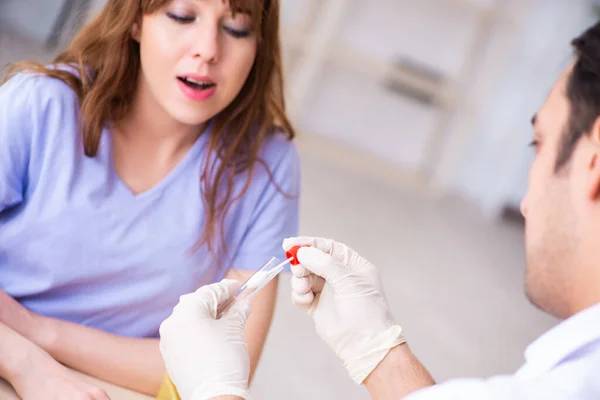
(77, 244)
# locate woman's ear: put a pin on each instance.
(136, 30)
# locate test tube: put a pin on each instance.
(256, 282)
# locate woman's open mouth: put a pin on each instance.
(197, 88)
(196, 84)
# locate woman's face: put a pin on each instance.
(195, 57)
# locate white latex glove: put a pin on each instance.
(206, 357)
(342, 292)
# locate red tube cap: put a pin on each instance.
(292, 253)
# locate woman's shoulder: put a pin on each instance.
(279, 149)
(30, 88)
(38, 111)
(280, 162)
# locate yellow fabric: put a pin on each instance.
(167, 390)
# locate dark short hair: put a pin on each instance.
(583, 92)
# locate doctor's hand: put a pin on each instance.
(343, 294)
(207, 357)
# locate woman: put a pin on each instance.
(150, 158)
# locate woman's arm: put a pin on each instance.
(132, 363)
(34, 374)
(259, 322)
(14, 350)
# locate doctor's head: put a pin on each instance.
(562, 205)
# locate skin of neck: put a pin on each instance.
(585, 291)
(149, 126)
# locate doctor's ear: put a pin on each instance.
(593, 162)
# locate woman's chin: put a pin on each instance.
(192, 117)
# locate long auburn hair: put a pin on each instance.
(107, 59)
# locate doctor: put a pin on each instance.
(207, 358)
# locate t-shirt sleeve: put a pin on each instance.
(15, 140)
(276, 214)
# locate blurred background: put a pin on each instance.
(413, 120)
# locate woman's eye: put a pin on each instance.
(188, 19)
(237, 33)
(182, 19)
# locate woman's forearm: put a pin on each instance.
(132, 363)
(13, 353)
(259, 323)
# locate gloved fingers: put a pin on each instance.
(166, 332)
(305, 290)
(232, 286)
(321, 264)
(304, 301)
(309, 283)
(323, 244)
(221, 292)
(206, 299)
(239, 310)
(203, 304)
(302, 285)
(318, 284)
(337, 250)
(297, 241)
(299, 271)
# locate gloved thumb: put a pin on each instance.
(239, 310)
(321, 264)
(231, 285)
(207, 299)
